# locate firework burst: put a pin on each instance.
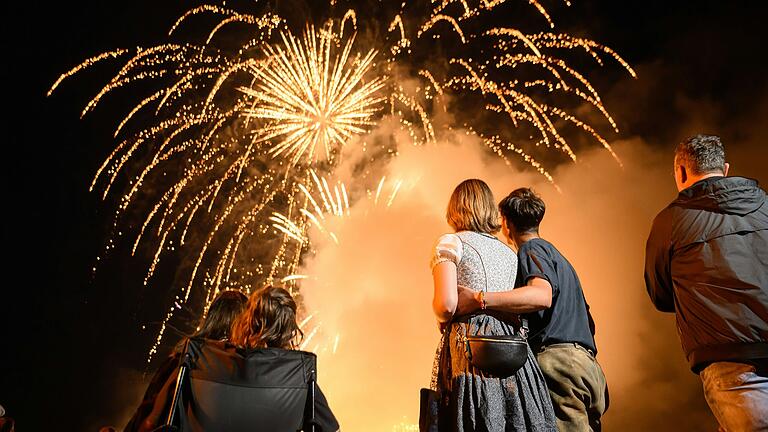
(305, 97)
(234, 145)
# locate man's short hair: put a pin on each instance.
(523, 209)
(701, 154)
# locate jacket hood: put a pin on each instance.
(733, 195)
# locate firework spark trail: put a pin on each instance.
(538, 113)
(85, 64)
(350, 15)
(403, 42)
(440, 17)
(330, 204)
(335, 203)
(241, 141)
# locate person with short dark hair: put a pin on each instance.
(706, 260)
(561, 327)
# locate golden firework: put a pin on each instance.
(307, 95)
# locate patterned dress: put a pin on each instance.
(483, 402)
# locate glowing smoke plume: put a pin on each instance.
(242, 144)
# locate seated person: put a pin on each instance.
(215, 325)
(255, 381)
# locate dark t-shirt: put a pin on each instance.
(568, 319)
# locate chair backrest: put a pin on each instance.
(230, 389)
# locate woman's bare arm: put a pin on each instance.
(446, 295)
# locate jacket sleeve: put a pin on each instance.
(169, 368)
(658, 255)
(324, 417)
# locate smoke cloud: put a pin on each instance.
(373, 289)
(370, 292)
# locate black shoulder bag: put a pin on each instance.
(500, 356)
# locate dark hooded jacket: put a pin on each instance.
(707, 260)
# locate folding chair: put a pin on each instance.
(221, 388)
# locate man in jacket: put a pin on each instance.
(707, 261)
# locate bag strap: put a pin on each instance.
(438, 353)
(523, 327)
(467, 348)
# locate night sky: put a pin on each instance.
(72, 342)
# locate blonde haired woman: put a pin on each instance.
(475, 258)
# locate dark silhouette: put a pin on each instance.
(215, 325)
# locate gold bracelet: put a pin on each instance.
(482, 300)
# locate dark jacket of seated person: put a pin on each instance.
(215, 325)
(256, 382)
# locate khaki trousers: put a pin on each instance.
(576, 384)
